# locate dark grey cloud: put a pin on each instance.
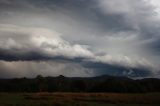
(69, 67)
(116, 70)
(114, 37)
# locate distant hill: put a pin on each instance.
(104, 83)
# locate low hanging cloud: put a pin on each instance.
(23, 47)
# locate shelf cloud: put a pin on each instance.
(79, 38)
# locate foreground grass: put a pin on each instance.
(79, 99)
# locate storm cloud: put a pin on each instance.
(79, 38)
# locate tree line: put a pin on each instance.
(67, 84)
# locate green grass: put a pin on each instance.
(79, 99)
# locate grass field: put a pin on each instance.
(79, 99)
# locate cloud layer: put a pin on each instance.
(79, 38)
(21, 43)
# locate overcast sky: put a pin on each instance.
(79, 38)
